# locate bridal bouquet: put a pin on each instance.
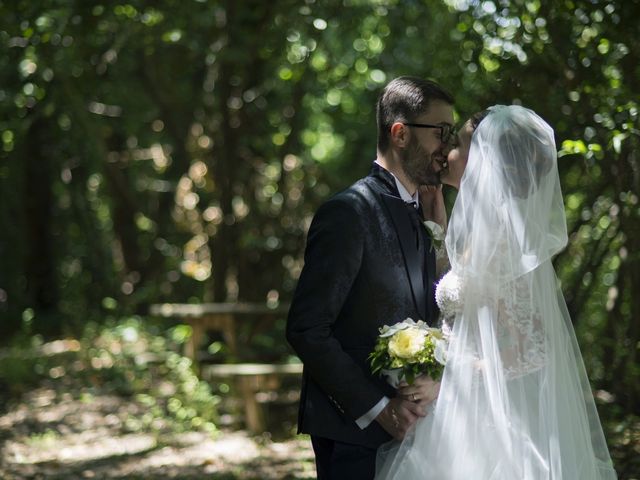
(408, 349)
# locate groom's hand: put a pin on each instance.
(422, 392)
(398, 416)
(432, 204)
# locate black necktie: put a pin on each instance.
(416, 221)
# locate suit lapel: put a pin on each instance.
(404, 230)
(385, 185)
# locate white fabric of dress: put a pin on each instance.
(515, 401)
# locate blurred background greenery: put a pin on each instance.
(175, 151)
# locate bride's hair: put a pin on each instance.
(477, 117)
(510, 190)
(525, 147)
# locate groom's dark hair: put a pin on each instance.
(404, 99)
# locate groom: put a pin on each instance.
(369, 262)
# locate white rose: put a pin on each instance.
(407, 343)
(437, 232)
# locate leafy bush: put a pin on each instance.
(130, 358)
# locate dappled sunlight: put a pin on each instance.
(59, 437)
(143, 414)
(156, 154)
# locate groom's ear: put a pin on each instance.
(399, 135)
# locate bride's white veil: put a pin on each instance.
(515, 401)
(509, 211)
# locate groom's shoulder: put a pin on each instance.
(359, 197)
(354, 201)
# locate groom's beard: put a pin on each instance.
(419, 165)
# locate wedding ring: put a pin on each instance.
(396, 422)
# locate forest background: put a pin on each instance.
(175, 151)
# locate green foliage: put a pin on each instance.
(48, 437)
(134, 360)
(422, 363)
(20, 367)
(176, 151)
(129, 358)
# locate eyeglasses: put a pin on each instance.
(447, 132)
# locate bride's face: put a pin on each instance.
(458, 156)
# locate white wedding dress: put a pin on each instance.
(515, 402)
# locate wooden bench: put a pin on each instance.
(252, 378)
(223, 317)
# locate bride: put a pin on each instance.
(515, 401)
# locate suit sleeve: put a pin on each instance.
(332, 261)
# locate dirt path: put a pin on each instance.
(64, 436)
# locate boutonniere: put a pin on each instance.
(436, 232)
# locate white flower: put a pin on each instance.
(440, 352)
(387, 331)
(404, 351)
(435, 229)
(407, 342)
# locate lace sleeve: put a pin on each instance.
(520, 329)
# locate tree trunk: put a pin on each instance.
(40, 273)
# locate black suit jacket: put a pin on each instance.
(362, 270)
